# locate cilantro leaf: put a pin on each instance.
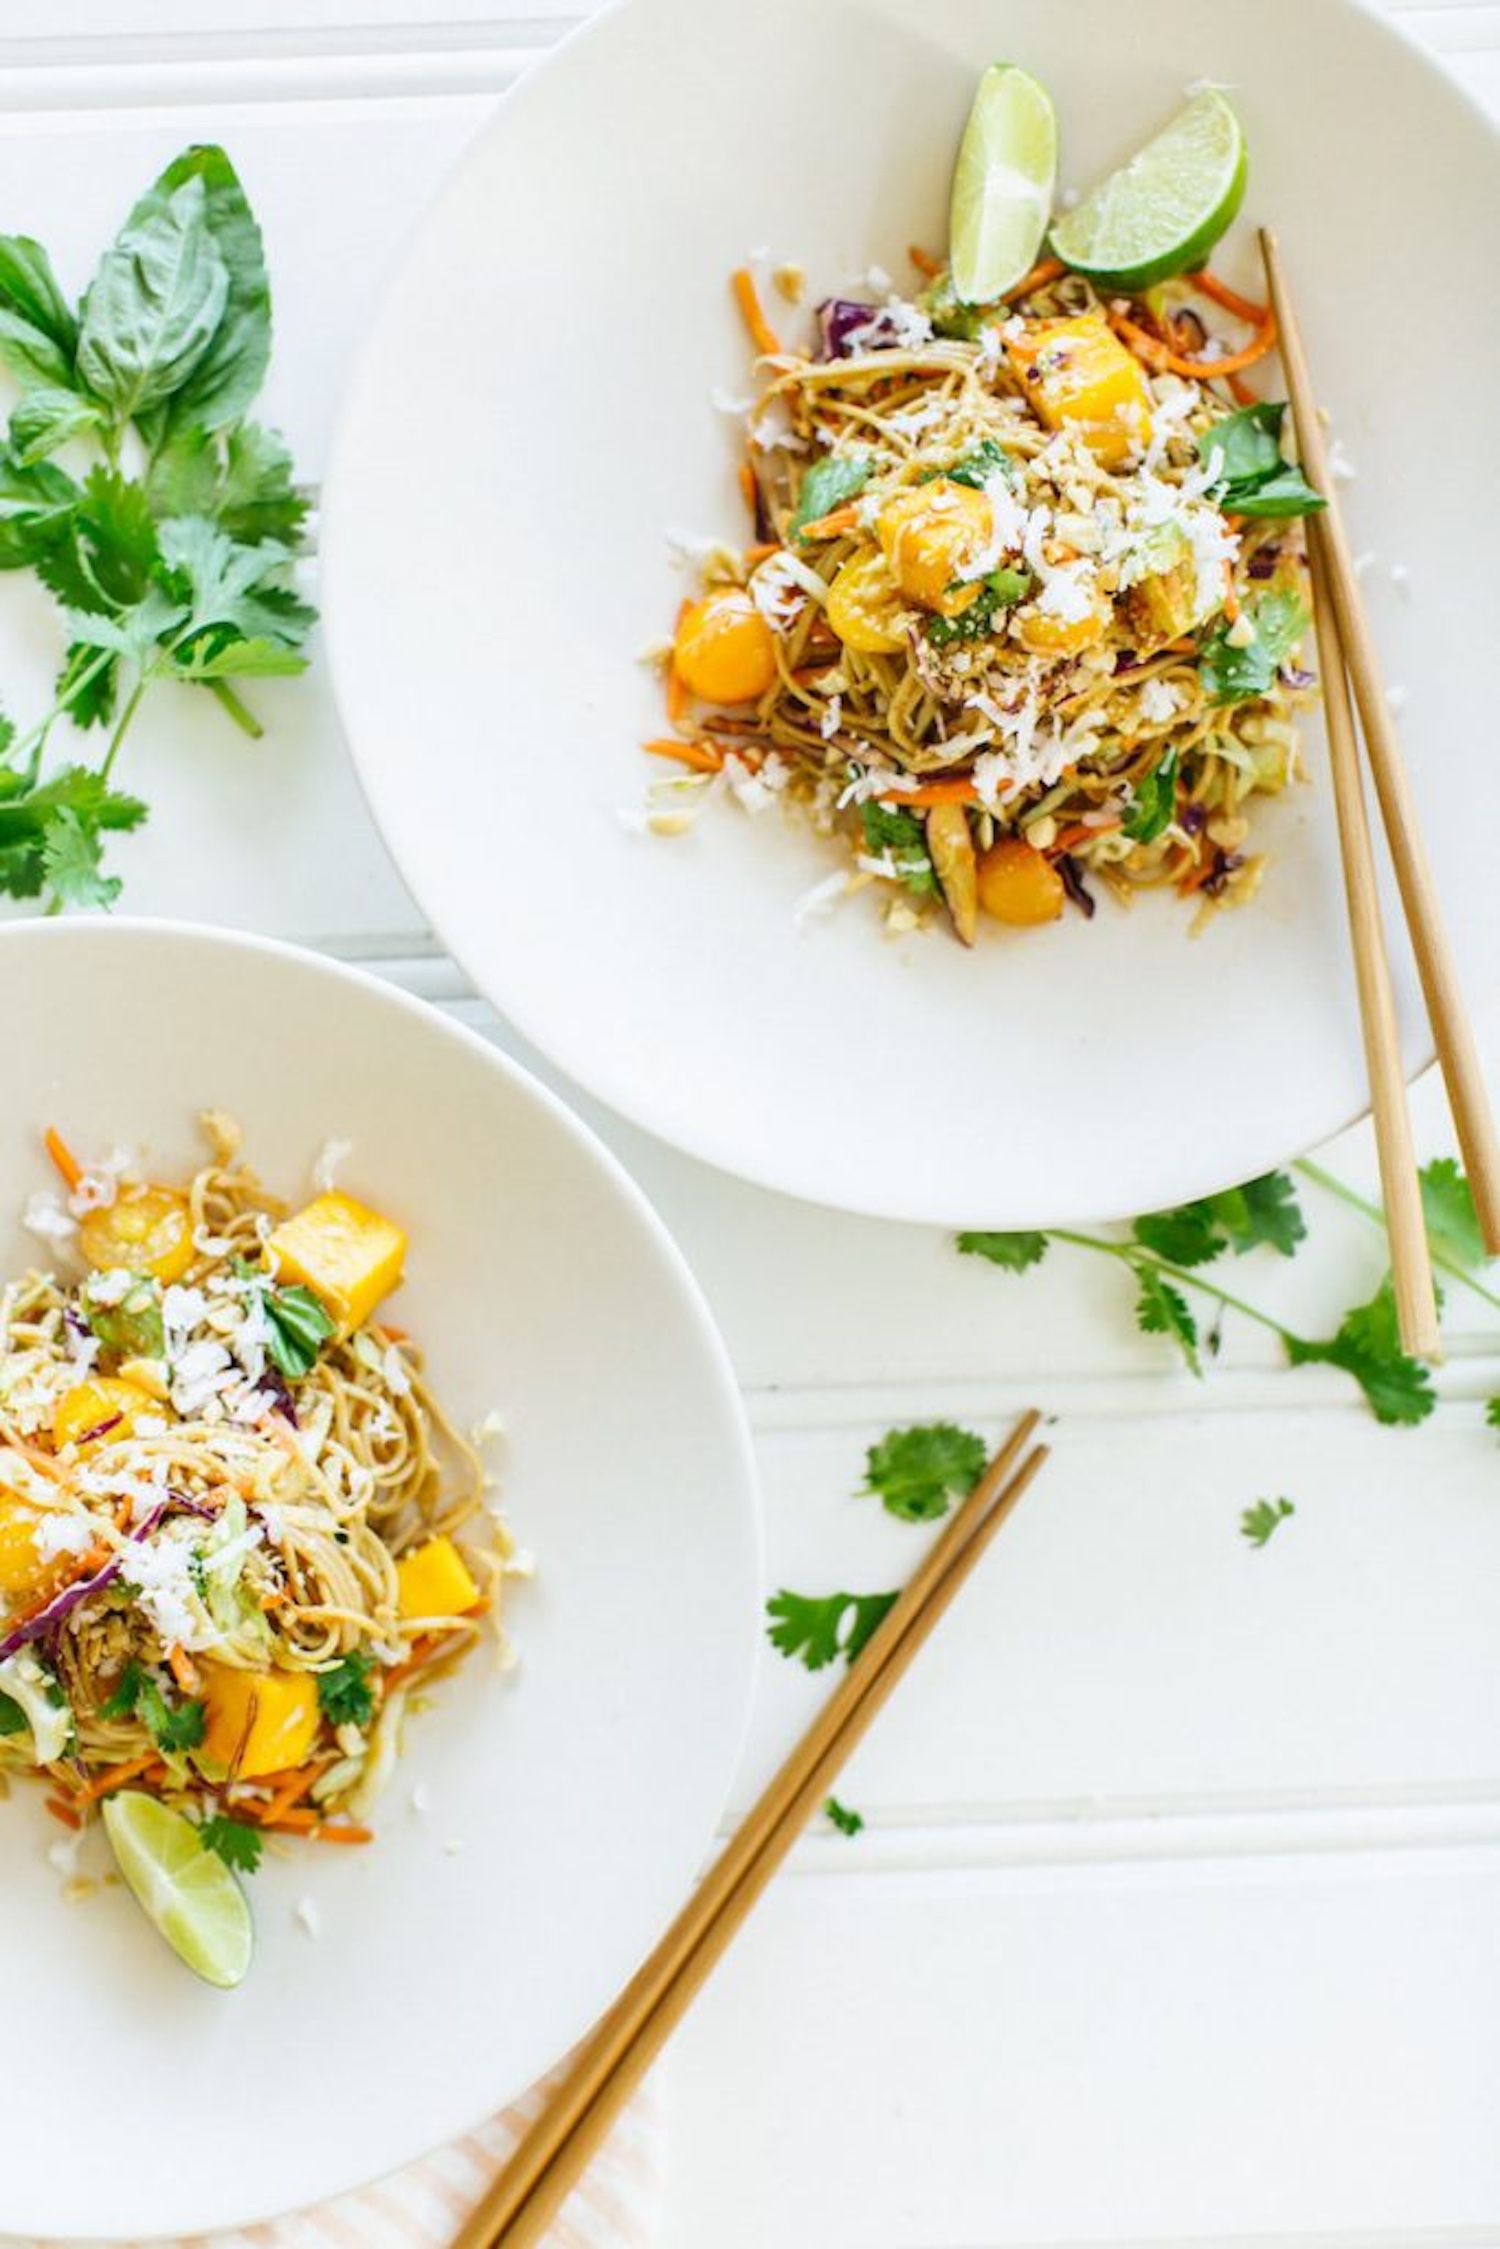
(237, 1844)
(1263, 1211)
(818, 1631)
(1492, 1413)
(1368, 1346)
(173, 1727)
(1154, 802)
(1259, 1522)
(832, 479)
(982, 461)
(107, 554)
(902, 835)
(13, 1718)
(344, 1691)
(1452, 1221)
(1163, 1310)
(1013, 1253)
(299, 1325)
(28, 818)
(87, 684)
(232, 592)
(917, 1473)
(121, 1703)
(847, 1822)
(38, 333)
(1237, 675)
(257, 499)
(73, 862)
(1002, 589)
(1189, 1235)
(1255, 477)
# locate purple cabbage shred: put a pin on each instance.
(845, 327)
(1226, 863)
(1263, 563)
(1074, 885)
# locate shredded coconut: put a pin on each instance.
(329, 1162)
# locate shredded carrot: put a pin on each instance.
(924, 261)
(1083, 831)
(183, 1669)
(1162, 360)
(347, 1831)
(422, 1653)
(701, 756)
(315, 1829)
(1050, 269)
(763, 335)
(761, 551)
(1208, 285)
(293, 1789)
(677, 694)
(1232, 609)
(832, 525)
(64, 1158)
(1196, 877)
(105, 1783)
(63, 1812)
(957, 791)
(1240, 391)
(749, 487)
(393, 1334)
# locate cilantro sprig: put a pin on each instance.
(917, 1473)
(239, 1845)
(174, 1727)
(1260, 1523)
(169, 540)
(819, 1629)
(344, 1691)
(840, 1816)
(901, 835)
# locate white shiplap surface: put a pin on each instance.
(1175, 1920)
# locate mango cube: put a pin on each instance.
(350, 1257)
(21, 1567)
(434, 1580)
(104, 1403)
(258, 1721)
(1078, 372)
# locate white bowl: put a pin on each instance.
(571, 1802)
(531, 414)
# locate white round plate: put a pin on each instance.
(532, 415)
(571, 1802)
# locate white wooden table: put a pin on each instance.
(1177, 1916)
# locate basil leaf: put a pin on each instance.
(827, 485)
(38, 333)
(1255, 478)
(43, 419)
(36, 504)
(1155, 802)
(12, 1716)
(1234, 675)
(976, 467)
(1286, 493)
(299, 1328)
(154, 307)
(229, 373)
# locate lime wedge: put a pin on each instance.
(185, 1890)
(1002, 185)
(1164, 211)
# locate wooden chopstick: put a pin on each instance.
(521, 2203)
(1472, 1115)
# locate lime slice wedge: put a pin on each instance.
(1164, 211)
(184, 1889)
(1002, 185)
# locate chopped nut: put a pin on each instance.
(790, 283)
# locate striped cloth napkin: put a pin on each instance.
(616, 2205)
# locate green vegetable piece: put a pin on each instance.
(817, 1631)
(12, 1716)
(1263, 1211)
(917, 1473)
(979, 464)
(30, 817)
(223, 381)
(1155, 802)
(344, 1692)
(36, 506)
(1163, 1310)
(1368, 1346)
(831, 480)
(1256, 479)
(174, 1727)
(299, 1328)
(901, 834)
(240, 1846)
(133, 1326)
(155, 304)
(1013, 1253)
(43, 419)
(1002, 589)
(1258, 1523)
(1237, 675)
(38, 333)
(847, 1822)
(1452, 1221)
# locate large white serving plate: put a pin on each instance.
(531, 415)
(567, 1805)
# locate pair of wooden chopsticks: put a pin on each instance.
(1347, 649)
(518, 2208)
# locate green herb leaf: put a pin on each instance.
(154, 307)
(1155, 802)
(36, 507)
(41, 420)
(832, 479)
(133, 1327)
(12, 1717)
(1263, 1213)
(28, 818)
(1259, 1522)
(38, 333)
(344, 1691)
(87, 686)
(1492, 1413)
(231, 591)
(1255, 478)
(73, 863)
(1002, 589)
(257, 499)
(240, 659)
(1163, 1310)
(173, 1727)
(975, 468)
(299, 1328)
(1237, 675)
(224, 379)
(847, 1822)
(1013, 1253)
(240, 1846)
(1189, 1235)
(901, 834)
(107, 557)
(1452, 1221)
(918, 1472)
(816, 1631)
(1368, 1346)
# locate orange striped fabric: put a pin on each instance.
(616, 2205)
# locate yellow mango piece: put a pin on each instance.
(350, 1257)
(21, 1567)
(1046, 635)
(434, 1581)
(864, 606)
(258, 1721)
(145, 1230)
(932, 535)
(1077, 371)
(89, 1405)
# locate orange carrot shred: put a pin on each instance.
(934, 793)
(63, 1812)
(1208, 285)
(924, 261)
(763, 335)
(105, 1783)
(701, 756)
(1050, 269)
(183, 1669)
(64, 1158)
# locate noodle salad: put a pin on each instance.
(1023, 603)
(238, 1536)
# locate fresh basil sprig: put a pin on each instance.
(1256, 479)
(165, 524)
(1235, 675)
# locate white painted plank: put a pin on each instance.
(1209, 2056)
